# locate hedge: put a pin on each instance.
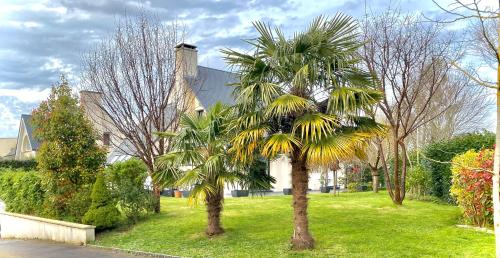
(29, 164)
(22, 191)
(444, 151)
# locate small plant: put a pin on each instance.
(353, 187)
(126, 180)
(103, 212)
(418, 182)
(472, 186)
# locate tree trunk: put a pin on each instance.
(301, 238)
(496, 170)
(156, 188)
(214, 209)
(156, 197)
(397, 186)
(375, 179)
(335, 182)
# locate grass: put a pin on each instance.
(352, 224)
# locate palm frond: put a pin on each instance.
(344, 100)
(166, 134)
(301, 78)
(329, 149)
(246, 142)
(313, 126)
(288, 104)
(280, 143)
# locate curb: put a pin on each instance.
(133, 252)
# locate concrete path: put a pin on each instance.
(2, 206)
(45, 249)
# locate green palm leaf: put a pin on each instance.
(280, 143)
(344, 100)
(288, 104)
(313, 126)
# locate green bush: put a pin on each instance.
(472, 186)
(353, 187)
(126, 180)
(29, 164)
(418, 182)
(103, 213)
(69, 156)
(444, 151)
(22, 191)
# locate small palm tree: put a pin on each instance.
(200, 159)
(303, 97)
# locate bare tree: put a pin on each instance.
(484, 38)
(136, 85)
(411, 61)
(466, 113)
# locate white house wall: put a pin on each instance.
(281, 169)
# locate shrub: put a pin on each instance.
(29, 164)
(22, 191)
(69, 156)
(472, 186)
(103, 213)
(353, 187)
(418, 182)
(444, 151)
(126, 180)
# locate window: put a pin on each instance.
(200, 112)
(106, 139)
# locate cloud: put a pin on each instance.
(10, 121)
(40, 39)
(26, 95)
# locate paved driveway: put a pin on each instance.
(45, 249)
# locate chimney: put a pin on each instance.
(186, 57)
(91, 102)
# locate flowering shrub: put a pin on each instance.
(472, 186)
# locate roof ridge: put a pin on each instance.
(216, 69)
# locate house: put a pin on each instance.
(26, 145)
(7, 148)
(206, 87)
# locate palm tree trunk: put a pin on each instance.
(301, 238)
(156, 188)
(156, 197)
(214, 209)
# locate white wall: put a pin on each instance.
(281, 169)
(21, 226)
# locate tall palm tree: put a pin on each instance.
(303, 97)
(200, 159)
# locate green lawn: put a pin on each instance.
(352, 224)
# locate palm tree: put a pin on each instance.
(303, 97)
(200, 159)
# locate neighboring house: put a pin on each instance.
(7, 148)
(207, 86)
(26, 144)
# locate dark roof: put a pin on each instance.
(211, 86)
(29, 129)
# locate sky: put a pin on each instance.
(39, 40)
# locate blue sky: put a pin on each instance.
(39, 40)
